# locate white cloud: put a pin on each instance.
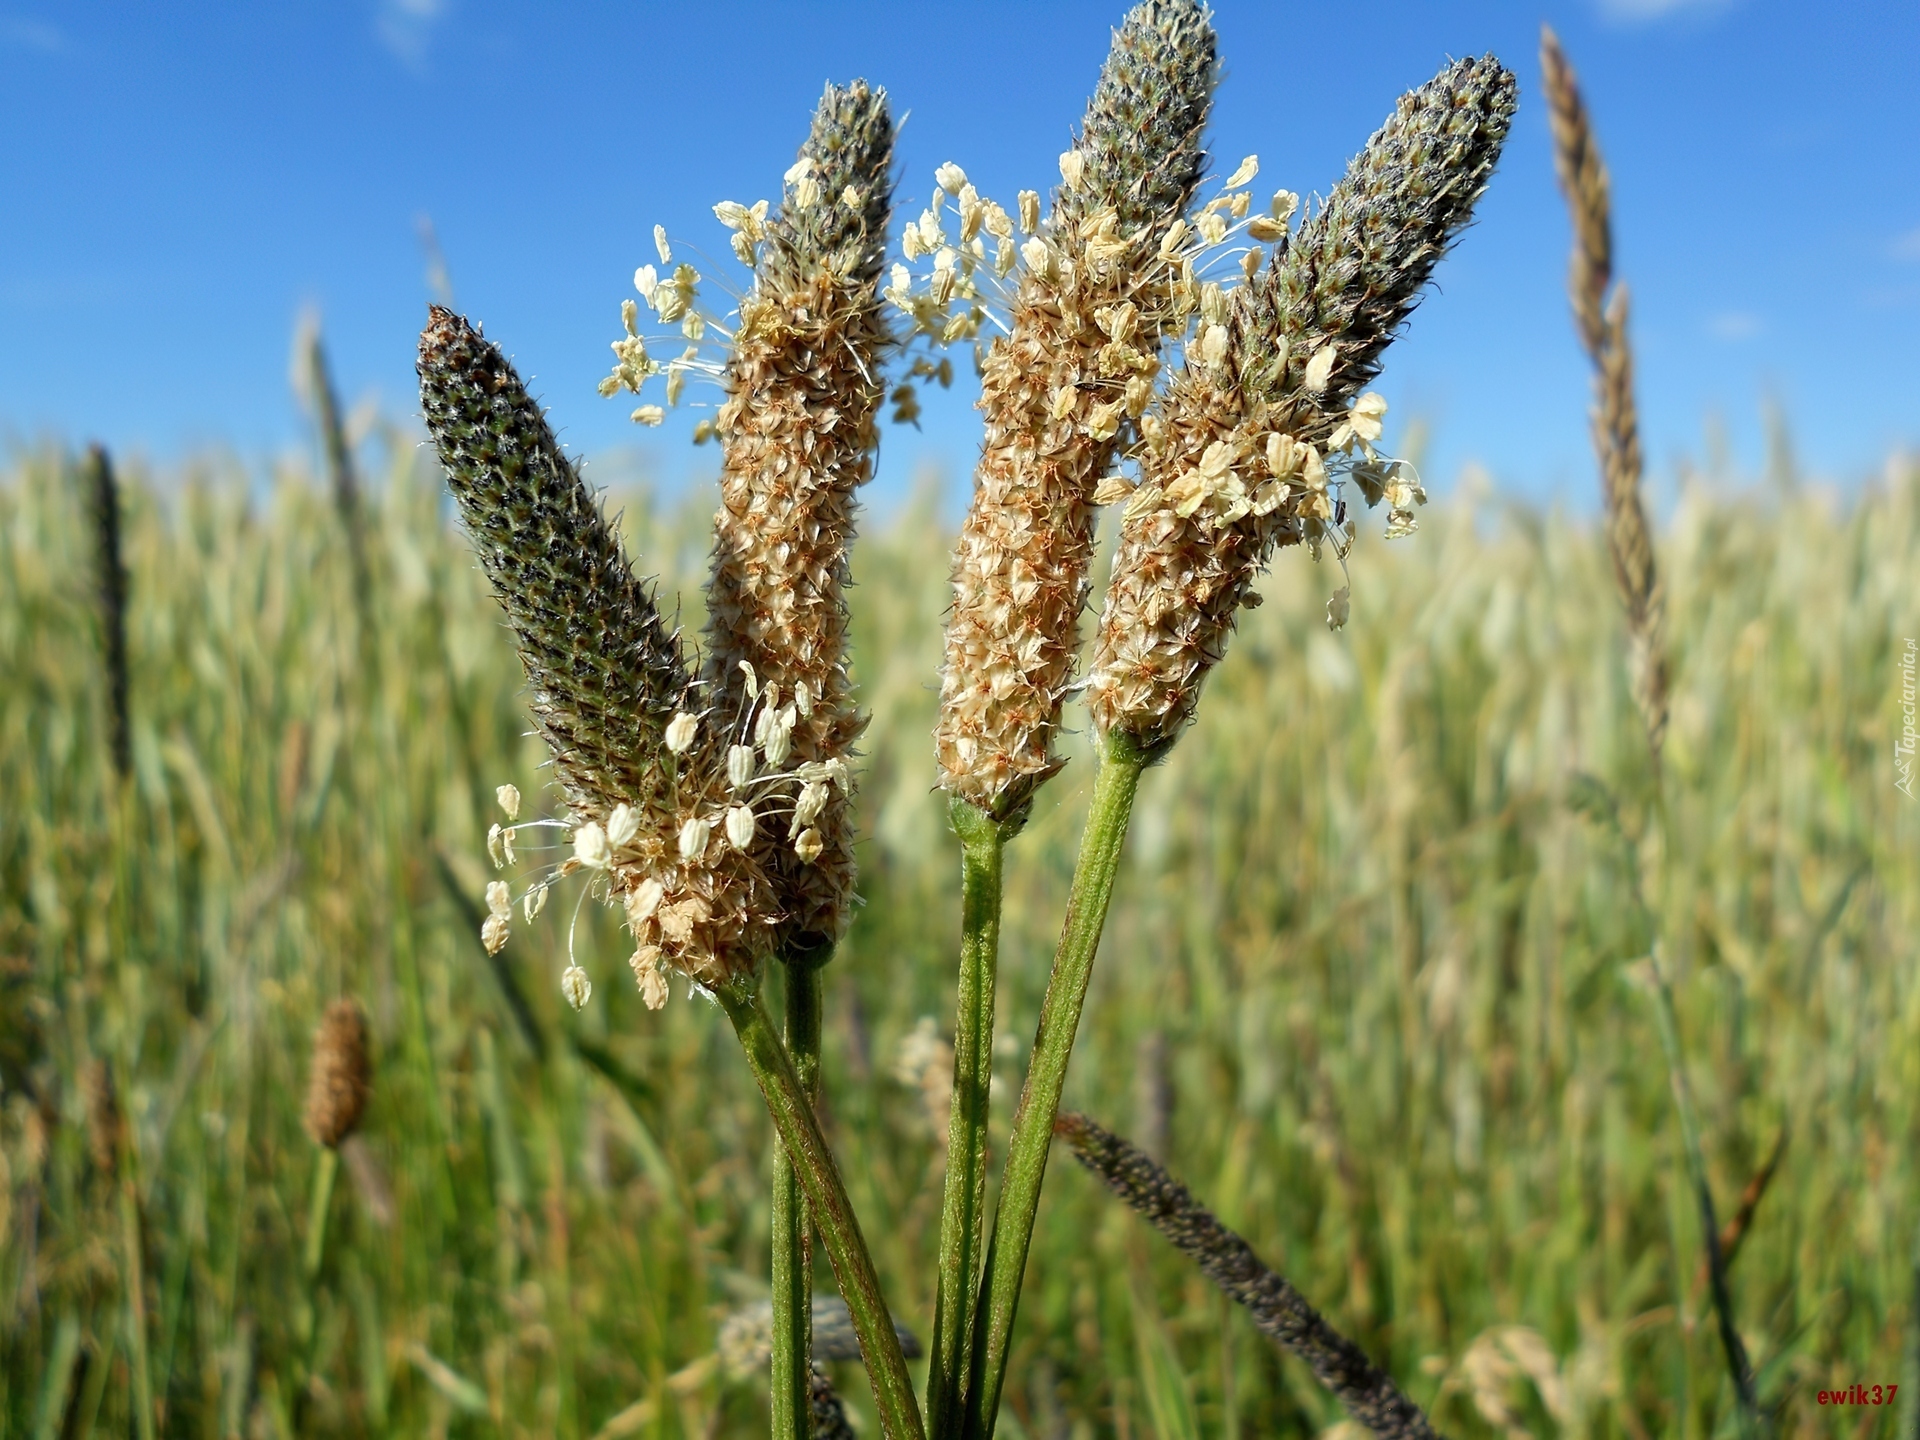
(1636, 11)
(1907, 246)
(17, 30)
(1735, 325)
(406, 28)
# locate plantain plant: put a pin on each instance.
(1202, 366)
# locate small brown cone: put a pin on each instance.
(341, 1080)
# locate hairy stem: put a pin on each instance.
(792, 1223)
(1121, 761)
(799, 1132)
(982, 845)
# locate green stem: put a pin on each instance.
(136, 1308)
(1121, 761)
(324, 1171)
(1909, 1428)
(1751, 1421)
(982, 846)
(792, 1225)
(799, 1132)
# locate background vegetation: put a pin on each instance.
(1367, 986)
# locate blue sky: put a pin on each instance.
(180, 182)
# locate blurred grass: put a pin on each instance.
(1367, 973)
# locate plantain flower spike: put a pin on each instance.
(798, 433)
(611, 686)
(341, 1079)
(605, 672)
(1060, 391)
(1236, 460)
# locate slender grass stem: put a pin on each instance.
(136, 1283)
(324, 1171)
(57, 1378)
(1752, 1422)
(1121, 761)
(792, 1220)
(982, 847)
(1909, 1427)
(799, 1132)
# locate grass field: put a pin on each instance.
(1368, 985)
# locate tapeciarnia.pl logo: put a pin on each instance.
(1903, 747)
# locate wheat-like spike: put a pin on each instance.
(340, 1082)
(606, 673)
(1588, 189)
(798, 431)
(110, 572)
(341, 476)
(1278, 1310)
(1234, 470)
(1052, 391)
(1601, 319)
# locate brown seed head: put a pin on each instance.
(341, 1080)
(1235, 468)
(1602, 323)
(798, 432)
(1057, 403)
(1588, 190)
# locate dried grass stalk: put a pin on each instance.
(1601, 318)
(342, 478)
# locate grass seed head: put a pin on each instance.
(1602, 322)
(1141, 136)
